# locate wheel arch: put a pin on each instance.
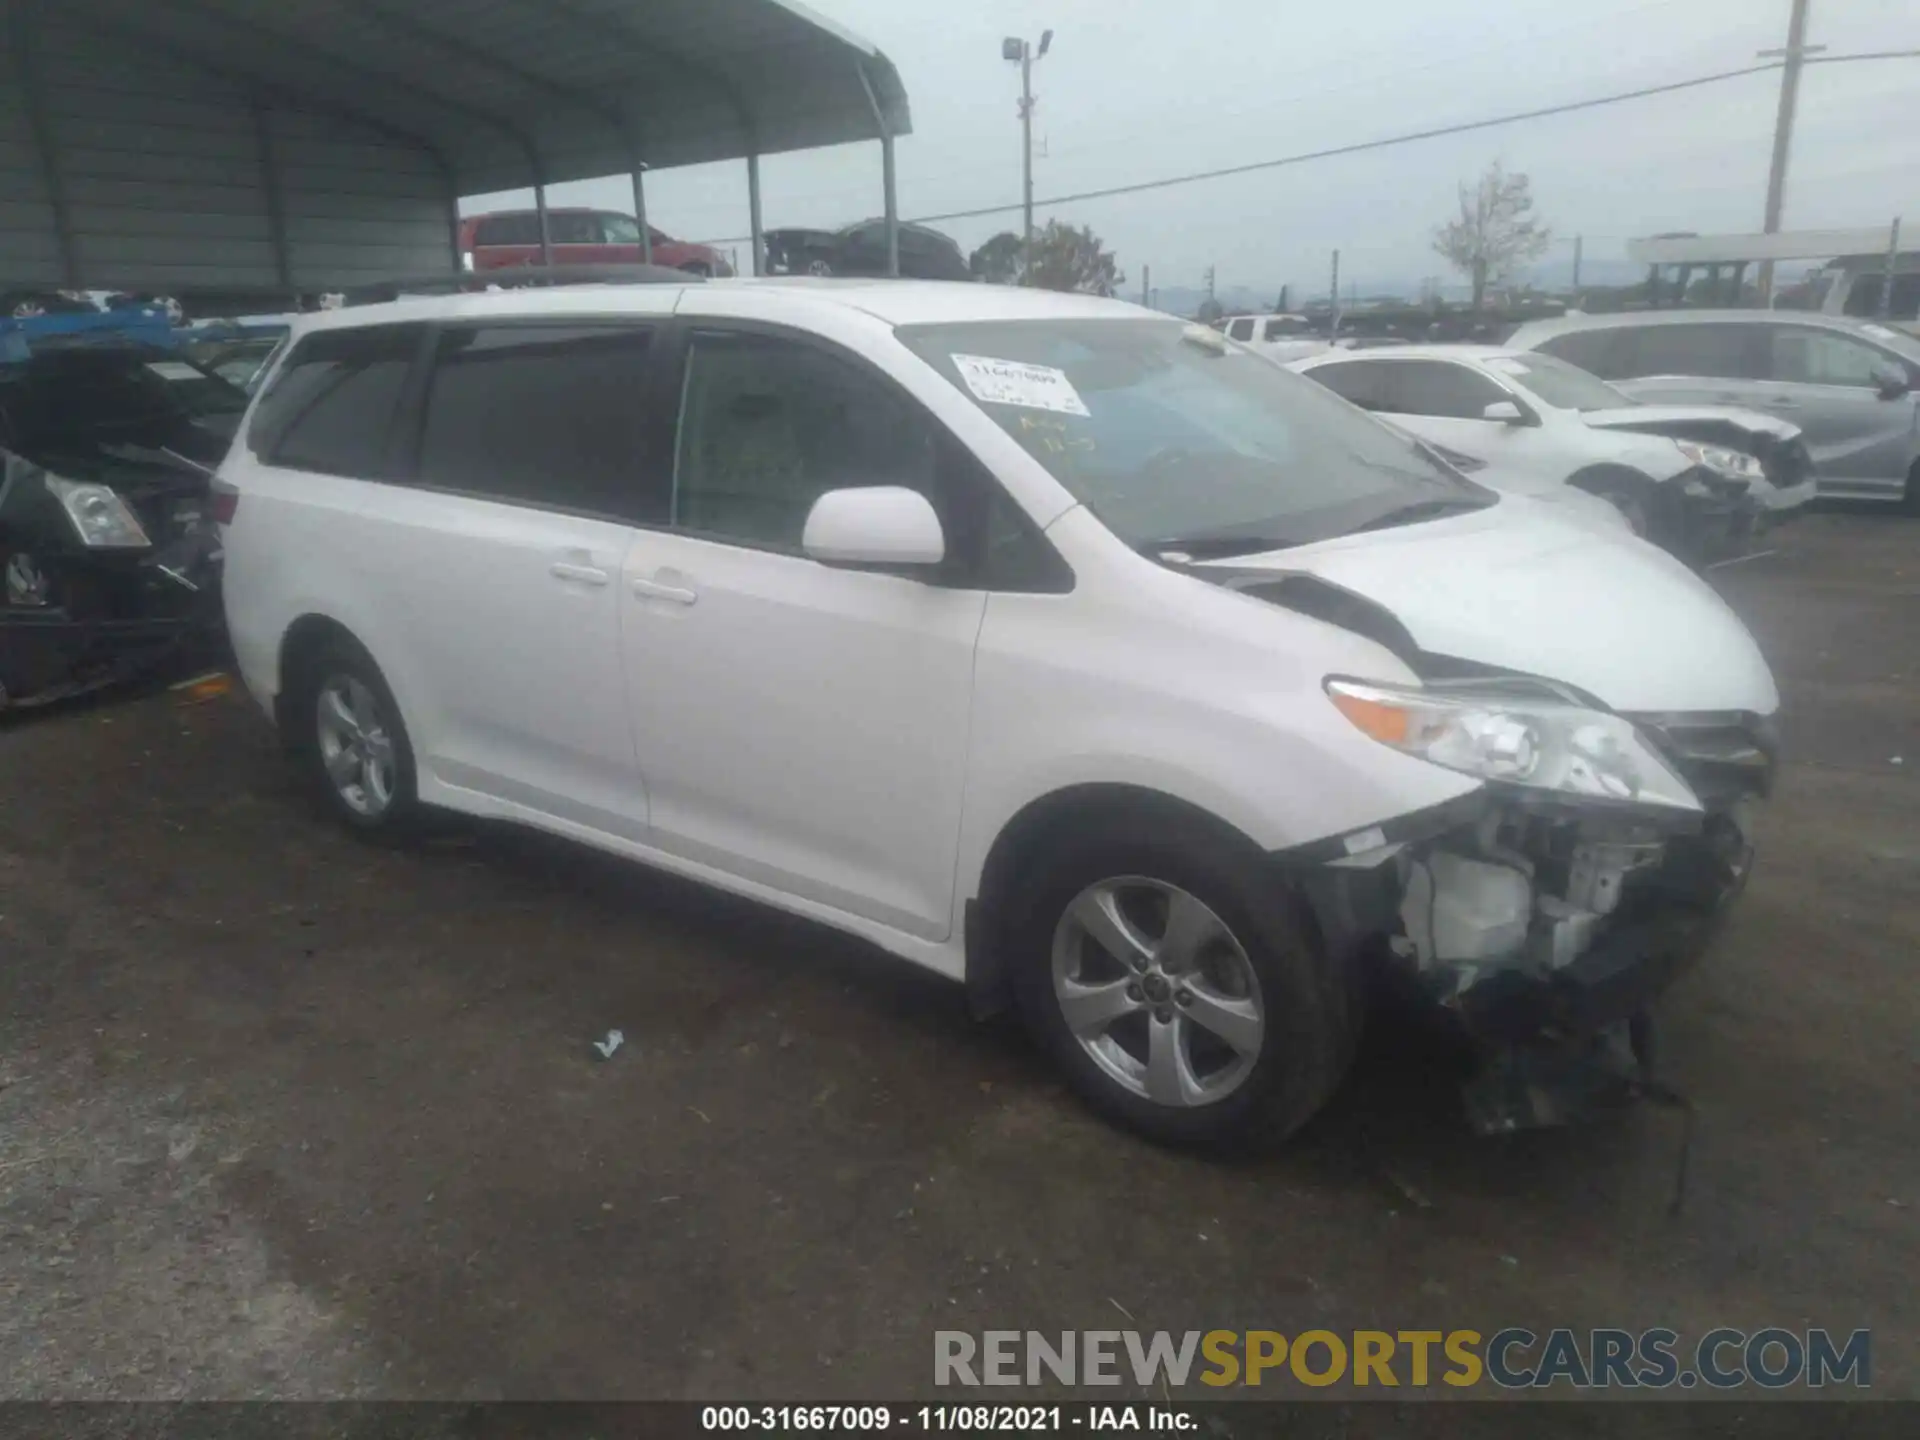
(304, 641)
(1043, 821)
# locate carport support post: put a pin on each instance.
(24, 38)
(888, 187)
(640, 211)
(753, 208)
(276, 201)
(546, 235)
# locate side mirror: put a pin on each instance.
(1505, 411)
(1891, 380)
(874, 525)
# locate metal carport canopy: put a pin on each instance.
(306, 145)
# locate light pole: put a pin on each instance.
(1014, 48)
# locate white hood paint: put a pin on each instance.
(1520, 587)
(1644, 417)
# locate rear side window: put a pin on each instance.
(331, 405)
(536, 413)
(1724, 352)
(1863, 297)
(1357, 380)
(1435, 387)
(1594, 351)
(508, 230)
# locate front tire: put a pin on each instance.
(352, 744)
(1163, 969)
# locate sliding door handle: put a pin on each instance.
(655, 590)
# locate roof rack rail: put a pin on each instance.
(514, 277)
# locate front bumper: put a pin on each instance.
(52, 653)
(1526, 916)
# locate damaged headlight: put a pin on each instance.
(1541, 744)
(99, 516)
(1730, 464)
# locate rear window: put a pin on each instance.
(538, 413)
(331, 405)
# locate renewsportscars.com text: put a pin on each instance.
(1513, 1358)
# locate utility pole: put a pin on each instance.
(1146, 288)
(1579, 242)
(1885, 307)
(1795, 55)
(1334, 301)
(1015, 48)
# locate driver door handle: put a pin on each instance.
(655, 590)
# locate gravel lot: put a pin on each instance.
(281, 1114)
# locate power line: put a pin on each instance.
(1408, 138)
(1464, 127)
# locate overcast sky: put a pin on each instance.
(1137, 89)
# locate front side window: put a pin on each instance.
(767, 426)
(1240, 330)
(1437, 388)
(1177, 441)
(1802, 355)
(547, 414)
(620, 229)
(332, 403)
(1557, 384)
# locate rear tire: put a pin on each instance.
(351, 744)
(1222, 1024)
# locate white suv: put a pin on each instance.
(1041, 640)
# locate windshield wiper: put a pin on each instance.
(1417, 511)
(1215, 547)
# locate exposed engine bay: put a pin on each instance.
(1546, 911)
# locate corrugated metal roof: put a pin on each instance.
(322, 143)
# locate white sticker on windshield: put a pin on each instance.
(174, 370)
(1879, 332)
(1014, 382)
(1505, 365)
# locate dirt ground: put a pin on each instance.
(281, 1114)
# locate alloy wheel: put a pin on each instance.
(356, 748)
(1158, 991)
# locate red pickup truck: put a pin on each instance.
(578, 237)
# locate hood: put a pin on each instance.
(1522, 588)
(1706, 423)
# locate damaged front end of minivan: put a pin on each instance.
(1548, 910)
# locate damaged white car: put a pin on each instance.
(1057, 646)
(1699, 480)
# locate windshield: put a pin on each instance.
(1557, 384)
(66, 399)
(1168, 434)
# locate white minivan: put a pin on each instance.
(1047, 642)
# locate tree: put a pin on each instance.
(1496, 233)
(1068, 259)
(998, 261)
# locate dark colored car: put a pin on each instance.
(862, 250)
(108, 548)
(578, 237)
